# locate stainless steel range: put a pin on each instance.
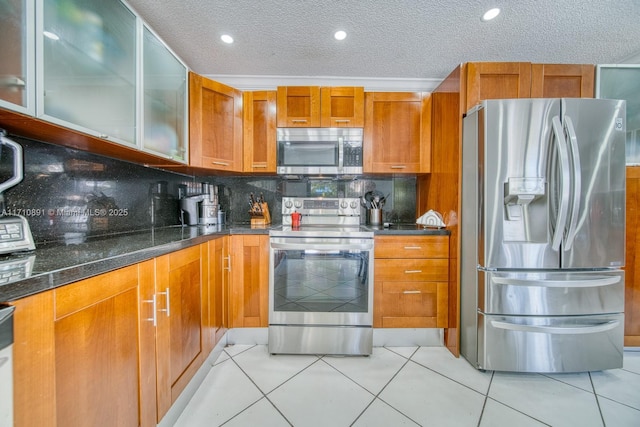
(321, 280)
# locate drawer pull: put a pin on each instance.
(413, 248)
(298, 121)
(220, 163)
(412, 271)
(411, 292)
(342, 121)
(399, 167)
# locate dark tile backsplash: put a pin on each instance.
(68, 195)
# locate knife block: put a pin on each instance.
(260, 214)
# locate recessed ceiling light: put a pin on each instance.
(490, 14)
(226, 38)
(340, 35)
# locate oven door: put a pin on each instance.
(321, 281)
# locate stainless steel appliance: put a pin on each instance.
(198, 204)
(6, 365)
(321, 280)
(15, 234)
(319, 151)
(543, 231)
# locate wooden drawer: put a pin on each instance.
(411, 270)
(411, 247)
(412, 305)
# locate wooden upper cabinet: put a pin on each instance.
(313, 106)
(397, 132)
(497, 80)
(259, 131)
(215, 122)
(298, 106)
(562, 80)
(342, 107)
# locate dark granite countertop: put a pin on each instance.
(406, 229)
(54, 265)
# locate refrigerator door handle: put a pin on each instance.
(578, 283)
(571, 330)
(577, 183)
(563, 152)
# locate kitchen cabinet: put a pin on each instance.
(298, 106)
(397, 135)
(411, 281)
(179, 350)
(313, 106)
(499, 80)
(249, 289)
(17, 71)
(88, 68)
(164, 88)
(120, 346)
(562, 80)
(105, 83)
(77, 352)
(342, 107)
(462, 89)
(632, 263)
(259, 131)
(215, 291)
(215, 125)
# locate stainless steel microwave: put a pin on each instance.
(319, 151)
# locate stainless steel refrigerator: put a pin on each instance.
(542, 235)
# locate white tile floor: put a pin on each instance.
(404, 386)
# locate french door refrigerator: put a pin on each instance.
(542, 235)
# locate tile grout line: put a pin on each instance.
(593, 387)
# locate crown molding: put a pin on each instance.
(246, 82)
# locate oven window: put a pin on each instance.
(308, 153)
(321, 281)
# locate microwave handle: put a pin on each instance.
(340, 152)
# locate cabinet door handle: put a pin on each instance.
(412, 271)
(413, 248)
(229, 264)
(154, 306)
(411, 292)
(299, 121)
(399, 167)
(259, 165)
(220, 163)
(166, 296)
(342, 121)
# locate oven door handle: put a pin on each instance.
(323, 246)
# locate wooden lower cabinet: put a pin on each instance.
(411, 281)
(95, 352)
(249, 287)
(77, 355)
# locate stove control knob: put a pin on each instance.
(297, 204)
(353, 204)
(344, 204)
(288, 204)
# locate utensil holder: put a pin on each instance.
(374, 216)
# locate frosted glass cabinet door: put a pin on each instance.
(623, 82)
(89, 68)
(165, 100)
(16, 63)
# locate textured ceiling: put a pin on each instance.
(395, 40)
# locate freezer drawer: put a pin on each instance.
(551, 293)
(550, 344)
